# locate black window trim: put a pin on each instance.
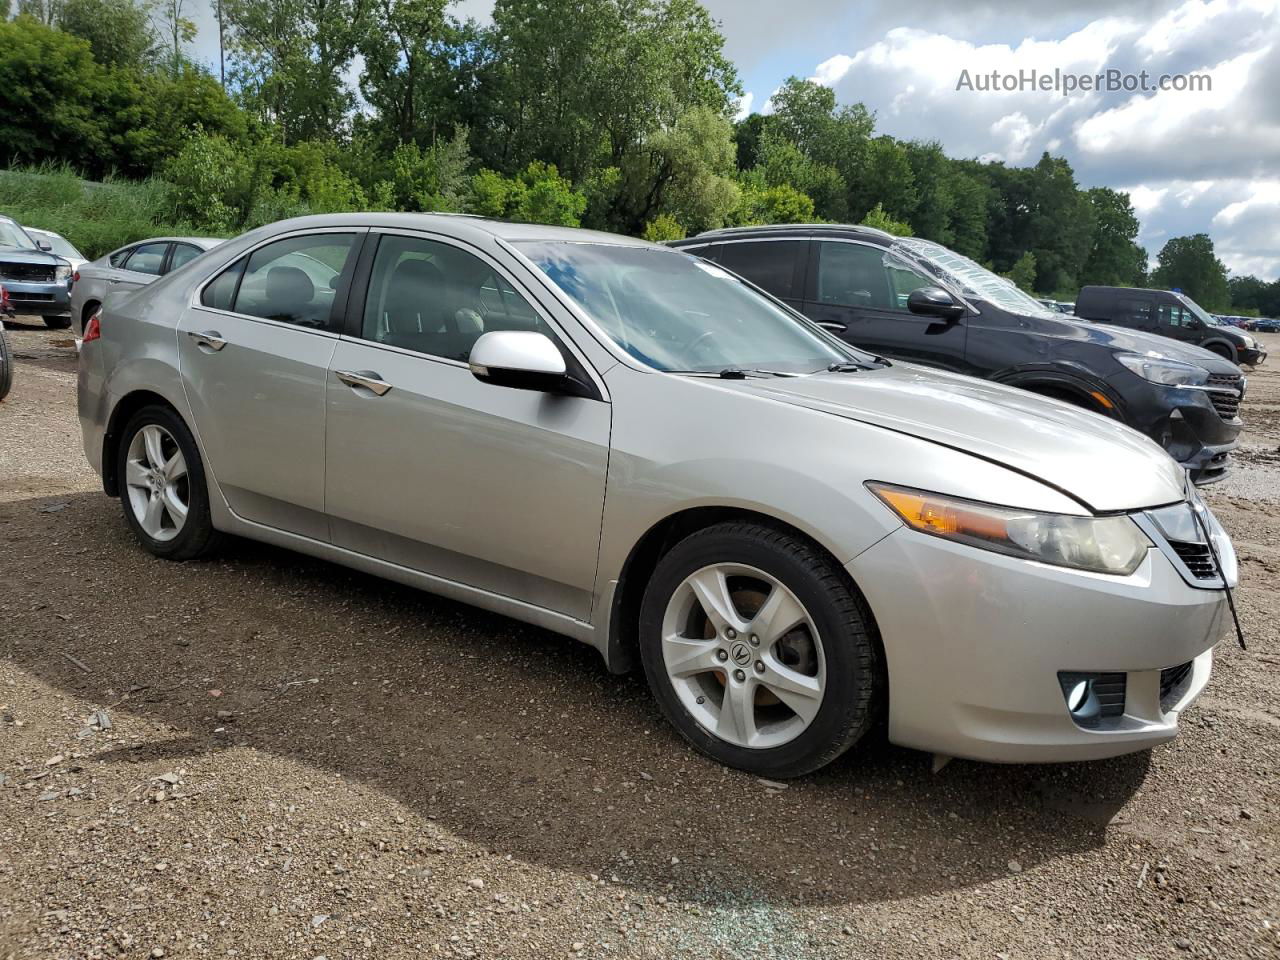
(353, 324)
(332, 329)
(173, 248)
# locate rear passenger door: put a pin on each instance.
(255, 353)
(861, 289)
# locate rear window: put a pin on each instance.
(775, 265)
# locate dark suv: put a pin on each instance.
(915, 300)
(1169, 314)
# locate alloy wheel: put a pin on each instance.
(156, 482)
(743, 655)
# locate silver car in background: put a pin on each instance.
(59, 246)
(628, 445)
(129, 268)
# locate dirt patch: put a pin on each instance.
(270, 756)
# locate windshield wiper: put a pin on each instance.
(853, 366)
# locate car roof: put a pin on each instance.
(459, 223)
(49, 233)
(836, 230)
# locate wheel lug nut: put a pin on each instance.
(759, 666)
(731, 633)
(722, 655)
(755, 641)
(739, 675)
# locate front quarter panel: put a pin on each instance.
(681, 443)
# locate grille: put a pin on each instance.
(1171, 679)
(1226, 403)
(18, 296)
(1197, 558)
(27, 272)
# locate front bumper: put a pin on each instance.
(51, 299)
(1187, 423)
(976, 641)
(1253, 358)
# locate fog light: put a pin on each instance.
(1082, 700)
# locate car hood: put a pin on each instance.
(1136, 341)
(16, 255)
(1101, 463)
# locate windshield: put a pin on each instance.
(12, 235)
(971, 279)
(1199, 311)
(61, 246)
(677, 313)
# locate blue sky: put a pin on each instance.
(1192, 162)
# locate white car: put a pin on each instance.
(129, 268)
(59, 245)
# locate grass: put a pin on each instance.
(96, 217)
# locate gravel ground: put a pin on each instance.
(270, 756)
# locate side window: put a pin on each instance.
(221, 292)
(854, 275)
(433, 298)
(147, 258)
(118, 258)
(903, 281)
(774, 265)
(1172, 315)
(1134, 312)
(296, 279)
(183, 253)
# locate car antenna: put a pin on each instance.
(1217, 562)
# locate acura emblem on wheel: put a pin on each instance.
(741, 654)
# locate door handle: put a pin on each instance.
(833, 326)
(364, 378)
(209, 338)
(113, 280)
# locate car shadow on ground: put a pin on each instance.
(511, 737)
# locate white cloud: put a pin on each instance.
(829, 72)
(744, 105)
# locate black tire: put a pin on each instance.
(6, 366)
(197, 538)
(1225, 351)
(57, 323)
(855, 678)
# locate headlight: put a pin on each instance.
(1100, 544)
(62, 272)
(1172, 373)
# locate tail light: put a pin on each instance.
(93, 329)
(75, 277)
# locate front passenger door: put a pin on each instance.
(864, 288)
(429, 468)
(144, 264)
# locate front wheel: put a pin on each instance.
(1223, 350)
(759, 650)
(162, 486)
(57, 323)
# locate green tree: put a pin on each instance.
(1023, 273)
(1060, 222)
(882, 221)
(538, 194)
(119, 32)
(1115, 258)
(885, 178)
(762, 204)
(55, 102)
(289, 57)
(431, 179)
(663, 229)
(1190, 265)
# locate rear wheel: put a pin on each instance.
(6, 365)
(162, 486)
(57, 323)
(759, 650)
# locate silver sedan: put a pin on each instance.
(129, 268)
(630, 446)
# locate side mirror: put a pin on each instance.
(521, 359)
(935, 302)
(44, 245)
